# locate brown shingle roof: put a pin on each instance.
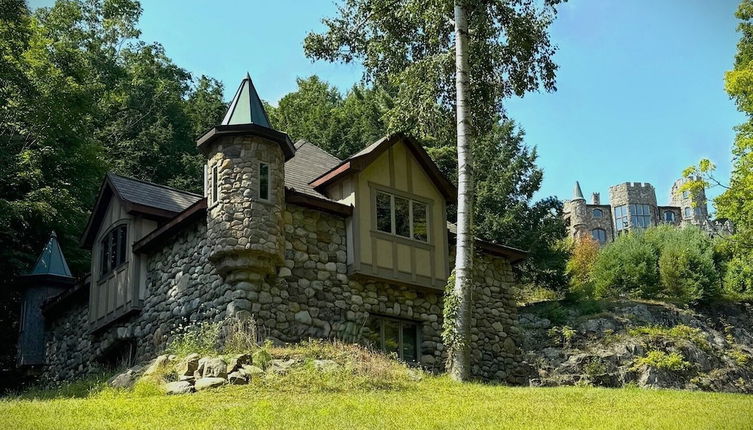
(309, 162)
(152, 195)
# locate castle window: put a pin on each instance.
(621, 218)
(599, 235)
(393, 336)
(264, 182)
(640, 215)
(215, 184)
(402, 216)
(685, 194)
(669, 217)
(113, 250)
(688, 212)
(597, 213)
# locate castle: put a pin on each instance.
(633, 206)
(304, 243)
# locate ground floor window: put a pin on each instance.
(393, 336)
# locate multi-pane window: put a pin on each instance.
(669, 216)
(621, 218)
(113, 250)
(597, 213)
(264, 181)
(402, 216)
(395, 336)
(599, 235)
(688, 212)
(640, 215)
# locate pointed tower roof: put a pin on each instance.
(246, 116)
(51, 261)
(578, 193)
(246, 107)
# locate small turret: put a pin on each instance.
(245, 188)
(693, 205)
(577, 192)
(576, 212)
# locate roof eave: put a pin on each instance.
(278, 137)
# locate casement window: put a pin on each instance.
(597, 213)
(391, 335)
(640, 215)
(599, 235)
(264, 182)
(402, 216)
(113, 249)
(215, 185)
(621, 218)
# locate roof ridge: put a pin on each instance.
(167, 187)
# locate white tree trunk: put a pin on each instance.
(460, 353)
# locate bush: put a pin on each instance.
(677, 264)
(661, 360)
(629, 266)
(738, 279)
(580, 266)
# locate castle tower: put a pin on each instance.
(693, 205)
(576, 213)
(633, 206)
(245, 189)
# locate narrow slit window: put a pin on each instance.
(215, 184)
(264, 181)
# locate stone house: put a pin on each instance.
(634, 206)
(306, 244)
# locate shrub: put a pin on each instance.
(580, 266)
(738, 279)
(661, 360)
(629, 266)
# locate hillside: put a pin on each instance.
(319, 385)
(648, 344)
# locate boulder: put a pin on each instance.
(212, 367)
(124, 380)
(325, 365)
(238, 377)
(280, 366)
(253, 371)
(179, 387)
(189, 365)
(238, 362)
(205, 383)
(158, 364)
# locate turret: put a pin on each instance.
(245, 188)
(633, 205)
(692, 204)
(576, 213)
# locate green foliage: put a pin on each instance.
(673, 361)
(564, 334)
(626, 266)
(676, 334)
(451, 336)
(677, 264)
(201, 338)
(580, 266)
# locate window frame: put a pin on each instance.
(401, 323)
(268, 198)
(214, 187)
(623, 216)
(669, 214)
(412, 200)
(113, 240)
(687, 212)
(600, 213)
(602, 231)
(640, 215)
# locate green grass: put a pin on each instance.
(431, 403)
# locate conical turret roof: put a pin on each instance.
(51, 261)
(246, 107)
(577, 192)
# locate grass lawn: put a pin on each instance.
(435, 402)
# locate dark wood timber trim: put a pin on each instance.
(360, 162)
(158, 237)
(301, 199)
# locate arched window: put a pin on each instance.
(669, 216)
(597, 213)
(599, 235)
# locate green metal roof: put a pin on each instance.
(51, 261)
(246, 107)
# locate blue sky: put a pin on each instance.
(640, 86)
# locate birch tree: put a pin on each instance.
(446, 59)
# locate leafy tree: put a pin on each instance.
(627, 266)
(736, 202)
(580, 266)
(409, 45)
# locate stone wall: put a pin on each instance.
(310, 295)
